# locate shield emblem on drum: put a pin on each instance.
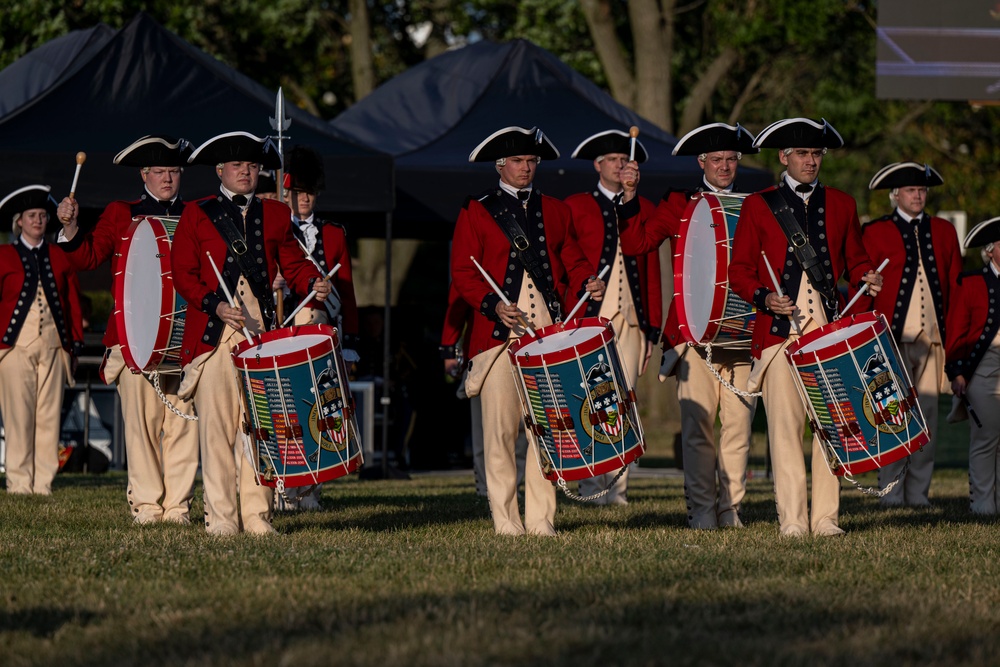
(599, 414)
(882, 391)
(330, 409)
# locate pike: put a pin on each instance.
(279, 124)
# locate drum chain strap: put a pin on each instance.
(154, 377)
(600, 494)
(722, 380)
(874, 491)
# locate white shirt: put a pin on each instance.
(712, 188)
(792, 183)
(511, 190)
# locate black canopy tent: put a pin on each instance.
(432, 116)
(97, 92)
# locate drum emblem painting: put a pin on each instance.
(604, 398)
(888, 415)
(331, 402)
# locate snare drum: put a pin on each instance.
(859, 398)
(576, 399)
(707, 310)
(149, 313)
(299, 412)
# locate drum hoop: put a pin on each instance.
(719, 291)
(164, 324)
(288, 359)
(565, 354)
(838, 349)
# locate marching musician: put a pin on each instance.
(719, 148)
(522, 240)
(924, 263)
(39, 300)
(973, 363)
(632, 302)
(161, 445)
(326, 242)
(811, 237)
(246, 238)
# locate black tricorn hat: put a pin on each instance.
(905, 174)
(799, 133)
(155, 150)
(716, 137)
(266, 182)
(304, 170)
(514, 141)
(237, 147)
(28, 197)
(984, 233)
(610, 141)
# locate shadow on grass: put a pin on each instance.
(44, 622)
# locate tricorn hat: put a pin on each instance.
(237, 147)
(304, 170)
(28, 197)
(514, 141)
(610, 141)
(716, 137)
(984, 233)
(905, 174)
(155, 150)
(799, 133)
(266, 182)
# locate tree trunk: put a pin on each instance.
(610, 51)
(702, 92)
(362, 72)
(652, 30)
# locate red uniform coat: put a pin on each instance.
(195, 280)
(973, 321)
(596, 228)
(455, 327)
(331, 248)
(478, 235)
(834, 232)
(942, 262)
(88, 251)
(19, 284)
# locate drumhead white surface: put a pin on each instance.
(280, 346)
(700, 268)
(143, 291)
(834, 337)
(559, 340)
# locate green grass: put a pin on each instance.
(409, 572)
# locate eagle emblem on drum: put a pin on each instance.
(600, 413)
(884, 402)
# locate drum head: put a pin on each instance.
(559, 340)
(702, 267)
(143, 295)
(282, 346)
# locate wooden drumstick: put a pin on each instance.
(863, 290)
(503, 297)
(225, 290)
(586, 296)
(779, 291)
(309, 297)
(633, 133)
(81, 157)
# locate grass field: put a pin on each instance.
(410, 573)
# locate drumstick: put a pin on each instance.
(586, 296)
(225, 290)
(502, 296)
(279, 303)
(81, 157)
(633, 133)
(779, 291)
(863, 290)
(972, 413)
(309, 296)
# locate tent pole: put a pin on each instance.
(386, 347)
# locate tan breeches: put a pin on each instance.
(161, 447)
(217, 400)
(632, 350)
(786, 417)
(701, 396)
(32, 379)
(923, 361)
(501, 421)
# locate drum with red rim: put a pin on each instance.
(298, 406)
(860, 399)
(576, 399)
